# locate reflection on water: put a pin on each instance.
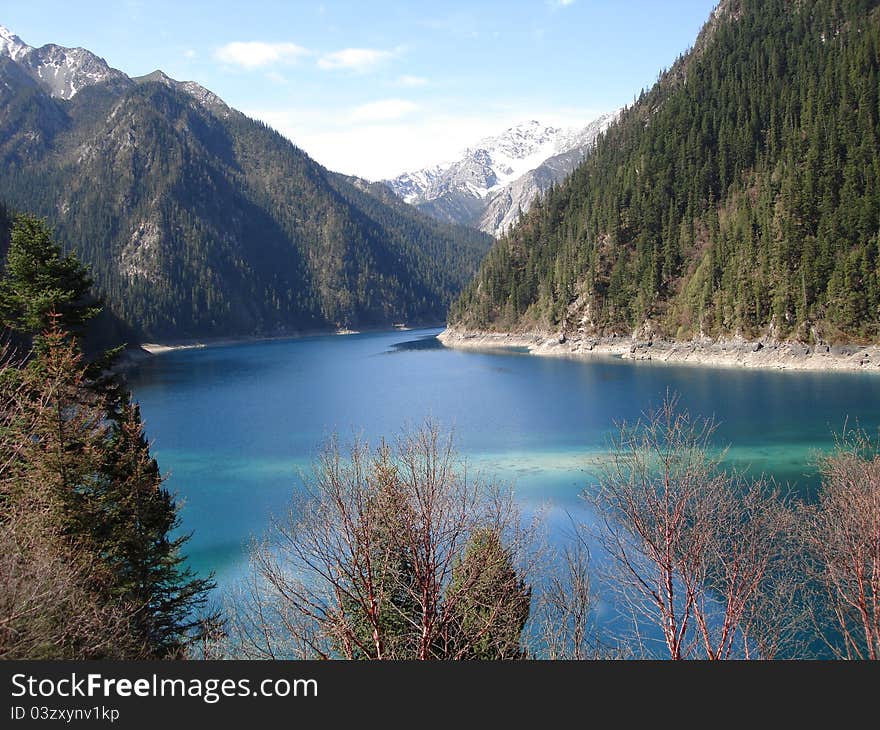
(425, 342)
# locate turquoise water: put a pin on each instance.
(233, 426)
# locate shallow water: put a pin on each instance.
(233, 426)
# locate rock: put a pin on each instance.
(757, 346)
(562, 338)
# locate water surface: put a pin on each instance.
(232, 426)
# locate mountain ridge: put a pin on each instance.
(736, 197)
(498, 177)
(198, 221)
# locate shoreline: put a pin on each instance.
(733, 352)
(138, 353)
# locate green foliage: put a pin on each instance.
(40, 284)
(486, 602)
(741, 194)
(197, 221)
(133, 532)
(395, 574)
(91, 459)
(77, 473)
(493, 594)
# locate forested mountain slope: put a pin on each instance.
(197, 220)
(739, 195)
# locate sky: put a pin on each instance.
(381, 87)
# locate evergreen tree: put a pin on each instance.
(39, 282)
(739, 195)
(134, 535)
(75, 442)
(493, 595)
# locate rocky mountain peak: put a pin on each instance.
(11, 45)
(197, 91)
(60, 71)
(500, 175)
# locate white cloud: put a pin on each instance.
(190, 53)
(382, 111)
(411, 81)
(353, 59)
(255, 54)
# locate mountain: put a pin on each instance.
(60, 71)
(738, 196)
(499, 176)
(199, 221)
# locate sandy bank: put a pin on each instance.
(734, 352)
(157, 349)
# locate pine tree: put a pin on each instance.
(76, 444)
(134, 534)
(39, 283)
(492, 595)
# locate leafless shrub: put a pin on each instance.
(46, 608)
(566, 605)
(387, 554)
(697, 551)
(842, 532)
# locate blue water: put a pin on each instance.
(233, 426)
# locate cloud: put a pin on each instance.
(190, 53)
(562, 3)
(255, 54)
(383, 111)
(411, 81)
(353, 59)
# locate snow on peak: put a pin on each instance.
(61, 71)
(500, 175)
(519, 141)
(65, 71)
(11, 45)
(491, 163)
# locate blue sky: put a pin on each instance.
(376, 88)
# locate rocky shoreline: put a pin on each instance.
(733, 352)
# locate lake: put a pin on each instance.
(232, 426)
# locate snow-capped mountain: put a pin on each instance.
(11, 45)
(61, 71)
(197, 220)
(499, 176)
